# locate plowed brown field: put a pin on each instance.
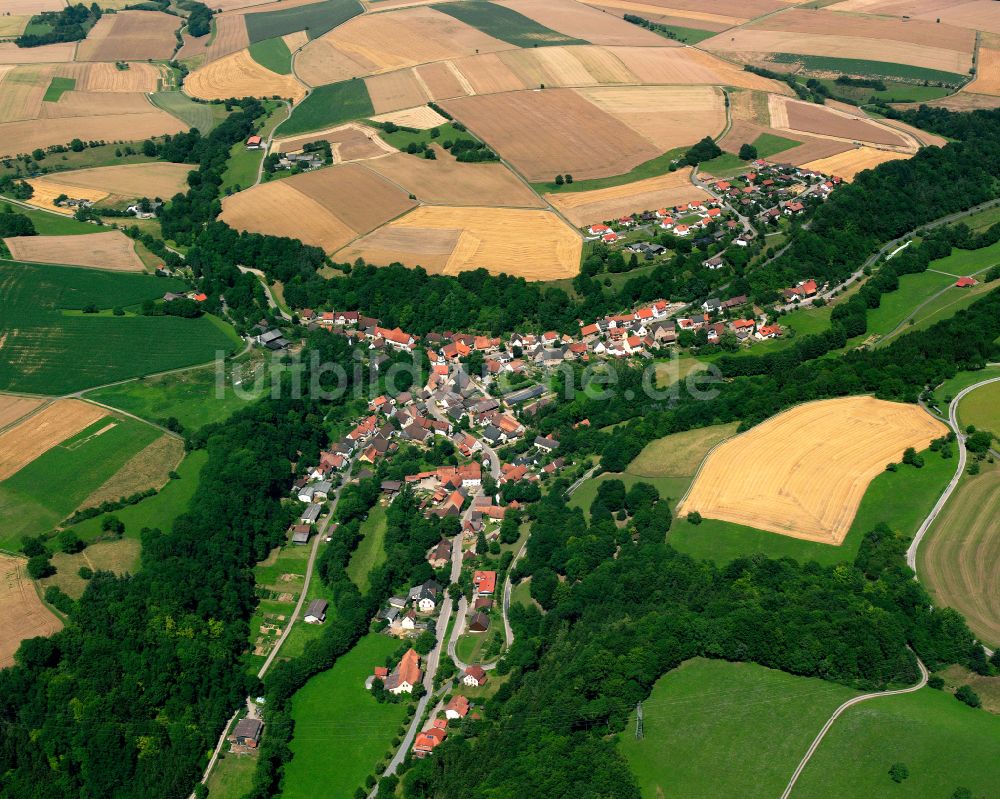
(980, 15)
(826, 122)
(803, 472)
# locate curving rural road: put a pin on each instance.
(911, 552)
(837, 713)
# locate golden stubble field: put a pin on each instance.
(22, 614)
(37, 434)
(112, 250)
(803, 472)
(238, 75)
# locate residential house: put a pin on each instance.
(479, 623)
(406, 676)
(431, 738)
(546, 443)
(440, 555)
(474, 676)
(457, 708)
(247, 732)
(316, 612)
(485, 582)
(424, 597)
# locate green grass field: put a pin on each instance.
(232, 777)
(190, 396)
(723, 165)
(272, 54)
(57, 225)
(241, 168)
(56, 88)
(680, 454)
(871, 69)
(981, 220)
(671, 487)
(329, 105)
(650, 169)
(203, 116)
(899, 499)
(687, 35)
(982, 408)
(102, 155)
(713, 729)
(896, 306)
(51, 352)
(47, 490)
(401, 139)
(943, 743)
(768, 144)
(949, 388)
(895, 92)
(370, 552)
(158, 511)
(315, 18)
(505, 24)
(340, 730)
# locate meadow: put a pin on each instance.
(329, 105)
(769, 144)
(505, 24)
(57, 87)
(943, 743)
(982, 409)
(894, 92)
(650, 169)
(50, 351)
(874, 69)
(315, 18)
(273, 54)
(371, 551)
(340, 730)
(47, 490)
(189, 396)
(899, 499)
(203, 116)
(686, 35)
(713, 728)
(897, 306)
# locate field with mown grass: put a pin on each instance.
(329, 105)
(371, 551)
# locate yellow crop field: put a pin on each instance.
(584, 208)
(987, 80)
(238, 75)
(37, 434)
(12, 25)
(531, 244)
(24, 615)
(47, 189)
(422, 117)
(112, 250)
(106, 77)
(13, 407)
(847, 165)
(156, 179)
(803, 472)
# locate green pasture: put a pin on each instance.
(371, 551)
(272, 54)
(505, 24)
(870, 69)
(650, 169)
(315, 18)
(329, 105)
(203, 116)
(768, 144)
(57, 86)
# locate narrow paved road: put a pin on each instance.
(911, 553)
(837, 713)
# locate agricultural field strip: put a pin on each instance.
(40, 432)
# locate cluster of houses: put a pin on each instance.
(410, 615)
(402, 679)
(681, 220)
(458, 708)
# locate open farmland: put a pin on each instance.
(49, 351)
(584, 208)
(327, 106)
(506, 24)
(715, 729)
(535, 245)
(974, 14)
(550, 132)
(14, 408)
(38, 433)
(959, 560)
(421, 117)
(580, 21)
(666, 116)
(839, 444)
(108, 78)
(60, 53)
(679, 454)
(47, 190)
(847, 164)
(112, 250)
(79, 465)
(809, 118)
(446, 181)
(394, 91)
(376, 43)
(313, 206)
(238, 75)
(130, 36)
(987, 80)
(154, 179)
(230, 37)
(314, 18)
(23, 614)
(349, 142)
(726, 12)
(982, 409)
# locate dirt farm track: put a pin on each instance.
(803, 472)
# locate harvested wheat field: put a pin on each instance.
(32, 7)
(238, 75)
(149, 468)
(350, 142)
(963, 101)
(60, 53)
(535, 245)
(809, 148)
(13, 25)
(395, 91)
(112, 250)
(809, 118)
(13, 407)
(803, 472)
(75, 105)
(737, 10)
(659, 12)
(108, 78)
(326, 208)
(584, 208)
(487, 74)
(22, 614)
(422, 117)
(666, 116)
(374, 43)
(553, 131)
(443, 80)
(37, 434)
(230, 37)
(21, 91)
(987, 80)
(959, 560)
(25, 136)
(846, 165)
(155, 179)
(47, 189)
(688, 66)
(981, 15)
(130, 36)
(580, 21)
(757, 40)
(445, 181)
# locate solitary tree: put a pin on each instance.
(694, 517)
(898, 772)
(559, 180)
(748, 152)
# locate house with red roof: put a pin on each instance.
(457, 708)
(485, 582)
(609, 238)
(474, 676)
(598, 230)
(428, 740)
(966, 282)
